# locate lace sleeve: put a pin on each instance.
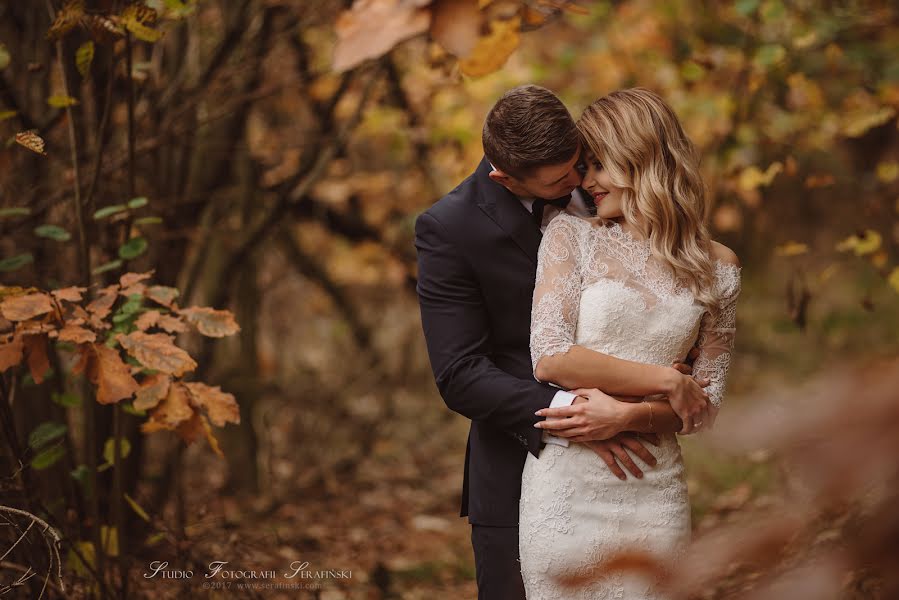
(716, 334)
(557, 290)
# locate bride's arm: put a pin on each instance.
(555, 356)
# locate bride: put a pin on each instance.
(642, 281)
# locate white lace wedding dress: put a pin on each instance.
(600, 288)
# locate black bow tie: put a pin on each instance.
(540, 204)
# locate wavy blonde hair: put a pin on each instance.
(638, 139)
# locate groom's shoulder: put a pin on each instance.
(456, 206)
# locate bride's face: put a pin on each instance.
(598, 184)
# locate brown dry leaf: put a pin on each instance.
(152, 389)
(493, 50)
(11, 352)
(101, 306)
(103, 29)
(69, 294)
(84, 356)
(173, 410)
(66, 19)
(36, 352)
(22, 308)
(220, 406)
(371, 28)
(130, 283)
(157, 351)
(191, 429)
(73, 333)
(209, 321)
(110, 374)
(162, 294)
(172, 324)
(456, 25)
(31, 140)
(147, 320)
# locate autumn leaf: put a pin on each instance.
(492, 51)
(138, 19)
(220, 406)
(371, 28)
(110, 374)
(101, 306)
(152, 389)
(162, 295)
(74, 333)
(791, 249)
(31, 140)
(157, 351)
(867, 243)
(455, 25)
(191, 430)
(69, 294)
(752, 177)
(131, 283)
(36, 353)
(61, 101)
(856, 124)
(22, 308)
(893, 279)
(66, 19)
(147, 320)
(173, 410)
(84, 56)
(209, 321)
(12, 352)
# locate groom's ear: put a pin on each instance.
(500, 177)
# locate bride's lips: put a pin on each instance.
(599, 196)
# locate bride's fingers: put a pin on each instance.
(556, 424)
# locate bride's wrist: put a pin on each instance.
(668, 380)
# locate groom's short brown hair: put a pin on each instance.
(528, 127)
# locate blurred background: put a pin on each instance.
(269, 157)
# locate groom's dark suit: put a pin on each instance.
(477, 259)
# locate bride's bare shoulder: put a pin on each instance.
(724, 254)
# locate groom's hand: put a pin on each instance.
(615, 449)
(592, 416)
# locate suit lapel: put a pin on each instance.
(507, 211)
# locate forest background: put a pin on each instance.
(222, 195)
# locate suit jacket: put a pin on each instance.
(477, 261)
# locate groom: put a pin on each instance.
(477, 259)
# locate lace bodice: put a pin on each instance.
(600, 288)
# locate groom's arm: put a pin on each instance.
(456, 327)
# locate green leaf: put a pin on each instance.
(7, 114)
(128, 407)
(746, 7)
(80, 474)
(15, 211)
(84, 56)
(45, 433)
(109, 210)
(109, 449)
(15, 262)
(148, 221)
(770, 54)
(47, 458)
(137, 202)
(61, 101)
(133, 248)
(137, 508)
(115, 264)
(66, 399)
(52, 232)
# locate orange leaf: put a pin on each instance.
(85, 352)
(31, 140)
(38, 362)
(162, 294)
(172, 324)
(494, 49)
(102, 304)
(371, 28)
(74, 333)
(22, 308)
(110, 373)
(220, 406)
(70, 294)
(66, 19)
(455, 25)
(157, 351)
(173, 410)
(152, 389)
(130, 283)
(11, 352)
(147, 320)
(209, 321)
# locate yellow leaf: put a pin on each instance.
(828, 272)
(61, 101)
(137, 508)
(66, 19)
(84, 56)
(141, 31)
(893, 279)
(109, 540)
(888, 172)
(791, 249)
(752, 177)
(493, 50)
(868, 243)
(858, 123)
(31, 140)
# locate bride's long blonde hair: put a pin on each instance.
(638, 139)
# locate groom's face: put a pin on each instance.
(548, 181)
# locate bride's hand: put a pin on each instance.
(688, 399)
(592, 416)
